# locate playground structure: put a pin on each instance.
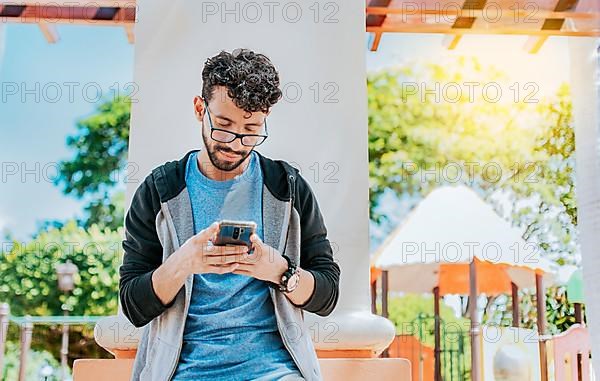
(448, 217)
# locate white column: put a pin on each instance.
(320, 125)
(586, 113)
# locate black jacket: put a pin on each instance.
(143, 251)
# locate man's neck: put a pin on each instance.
(209, 170)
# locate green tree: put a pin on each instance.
(412, 133)
(29, 281)
(514, 151)
(36, 360)
(413, 315)
(99, 161)
(30, 285)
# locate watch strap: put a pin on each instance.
(291, 270)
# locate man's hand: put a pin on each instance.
(265, 262)
(200, 256)
(196, 256)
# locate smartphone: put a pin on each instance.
(235, 233)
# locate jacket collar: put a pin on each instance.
(275, 177)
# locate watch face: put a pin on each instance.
(292, 283)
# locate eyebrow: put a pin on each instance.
(231, 121)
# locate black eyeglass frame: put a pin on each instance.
(235, 135)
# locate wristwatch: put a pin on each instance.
(290, 278)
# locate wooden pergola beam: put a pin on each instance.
(464, 22)
(49, 31)
(534, 44)
(376, 20)
(49, 14)
(421, 28)
(91, 3)
(374, 40)
(451, 41)
(509, 14)
(71, 15)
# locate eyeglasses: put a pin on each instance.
(224, 136)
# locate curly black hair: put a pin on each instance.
(251, 79)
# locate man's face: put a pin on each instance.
(225, 115)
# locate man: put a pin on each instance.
(227, 312)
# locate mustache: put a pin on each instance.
(230, 151)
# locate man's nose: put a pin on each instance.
(236, 145)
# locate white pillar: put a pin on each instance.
(586, 114)
(320, 125)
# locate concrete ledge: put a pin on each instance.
(380, 369)
(383, 369)
(102, 370)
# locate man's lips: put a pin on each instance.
(229, 155)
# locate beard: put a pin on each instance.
(213, 155)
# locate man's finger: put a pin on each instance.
(224, 259)
(244, 266)
(255, 239)
(208, 233)
(226, 250)
(222, 269)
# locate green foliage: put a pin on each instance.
(29, 282)
(412, 133)
(519, 156)
(413, 315)
(100, 147)
(407, 313)
(106, 211)
(35, 361)
(30, 286)
(100, 157)
(560, 313)
(550, 219)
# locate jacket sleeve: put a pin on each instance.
(142, 255)
(316, 254)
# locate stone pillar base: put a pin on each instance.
(350, 333)
(331, 369)
(343, 334)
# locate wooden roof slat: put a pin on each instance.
(48, 14)
(420, 28)
(49, 31)
(511, 14)
(534, 44)
(377, 19)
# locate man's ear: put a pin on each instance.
(199, 107)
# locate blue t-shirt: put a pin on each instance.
(231, 329)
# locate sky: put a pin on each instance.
(34, 131)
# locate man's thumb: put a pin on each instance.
(209, 232)
(254, 238)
